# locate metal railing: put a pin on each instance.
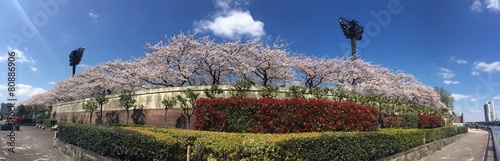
(496, 145)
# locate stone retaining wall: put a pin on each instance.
(153, 112)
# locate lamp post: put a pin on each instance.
(352, 30)
(75, 57)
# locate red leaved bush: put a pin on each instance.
(426, 121)
(266, 115)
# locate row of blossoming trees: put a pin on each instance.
(188, 60)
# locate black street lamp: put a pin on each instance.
(75, 57)
(352, 30)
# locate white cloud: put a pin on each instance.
(27, 90)
(474, 73)
(496, 97)
(458, 61)
(485, 67)
(446, 73)
(473, 100)
(33, 68)
(52, 83)
(93, 15)
(231, 22)
(20, 56)
(459, 97)
(450, 82)
(493, 5)
(476, 6)
(233, 25)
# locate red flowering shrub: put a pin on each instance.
(282, 115)
(426, 121)
(394, 122)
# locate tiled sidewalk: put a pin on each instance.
(470, 148)
(31, 144)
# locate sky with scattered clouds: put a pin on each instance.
(449, 43)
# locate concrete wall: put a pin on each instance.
(153, 109)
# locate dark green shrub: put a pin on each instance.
(49, 122)
(241, 88)
(411, 120)
(394, 122)
(318, 92)
(73, 118)
(151, 143)
(295, 92)
(214, 90)
(269, 92)
(121, 143)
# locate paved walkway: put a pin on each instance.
(32, 144)
(470, 148)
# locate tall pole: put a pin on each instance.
(353, 49)
(74, 67)
(352, 30)
(75, 57)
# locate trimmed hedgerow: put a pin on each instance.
(411, 120)
(282, 115)
(121, 143)
(301, 146)
(426, 121)
(394, 122)
(49, 122)
(151, 143)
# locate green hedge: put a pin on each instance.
(49, 122)
(149, 143)
(121, 143)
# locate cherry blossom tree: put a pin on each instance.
(171, 64)
(212, 65)
(263, 64)
(316, 71)
(186, 60)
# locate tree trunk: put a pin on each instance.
(91, 116)
(165, 124)
(100, 116)
(127, 116)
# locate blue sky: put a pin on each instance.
(451, 44)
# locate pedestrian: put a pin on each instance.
(476, 126)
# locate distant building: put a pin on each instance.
(489, 112)
(4, 110)
(459, 119)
